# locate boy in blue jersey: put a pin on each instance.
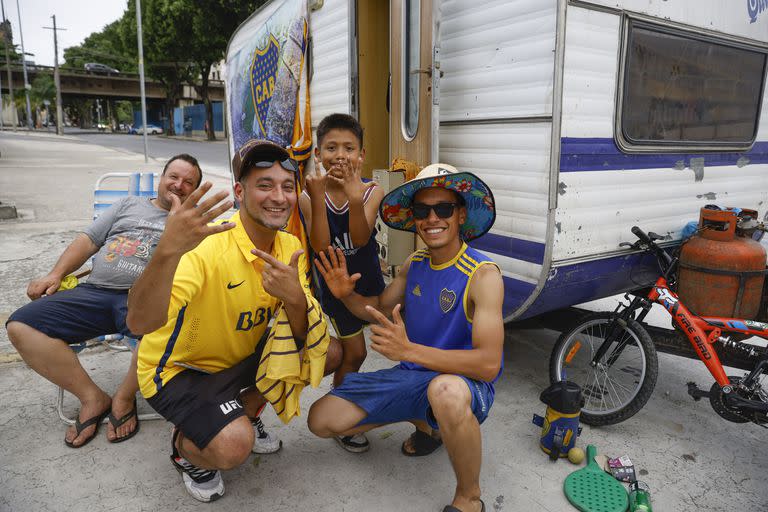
(339, 209)
(446, 329)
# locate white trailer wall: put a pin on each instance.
(496, 120)
(331, 29)
(597, 208)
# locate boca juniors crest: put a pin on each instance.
(447, 299)
(263, 78)
(266, 79)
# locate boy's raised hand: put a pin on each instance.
(315, 182)
(333, 268)
(351, 178)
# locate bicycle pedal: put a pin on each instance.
(696, 393)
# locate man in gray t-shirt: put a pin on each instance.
(126, 235)
(121, 242)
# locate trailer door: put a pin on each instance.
(414, 65)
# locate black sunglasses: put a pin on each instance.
(442, 210)
(287, 164)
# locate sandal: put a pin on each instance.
(451, 508)
(79, 427)
(422, 444)
(117, 422)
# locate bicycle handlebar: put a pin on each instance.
(639, 233)
(664, 259)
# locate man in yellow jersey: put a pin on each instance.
(208, 294)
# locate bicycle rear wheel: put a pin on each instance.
(622, 381)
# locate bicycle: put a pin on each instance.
(619, 371)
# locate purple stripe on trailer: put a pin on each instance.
(517, 248)
(602, 154)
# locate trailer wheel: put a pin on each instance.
(613, 390)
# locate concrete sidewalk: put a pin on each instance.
(691, 458)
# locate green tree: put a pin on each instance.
(42, 90)
(213, 23)
(80, 112)
(124, 111)
(167, 36)
(106, 47)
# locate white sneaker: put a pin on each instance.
(264, 442)
(204, 485)
(355, 444)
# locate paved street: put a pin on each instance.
(692, 459)
(213, 156)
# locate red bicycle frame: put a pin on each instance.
(703, 332)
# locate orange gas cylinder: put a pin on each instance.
(721, 274)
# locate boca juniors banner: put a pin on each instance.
(266, 79)
(266, 83)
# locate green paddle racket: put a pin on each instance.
(591, 489)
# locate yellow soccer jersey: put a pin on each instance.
(218, 310)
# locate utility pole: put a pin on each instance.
(8, 41)
(24, 67)
(57, 79)
(2, 124)
(141, 79)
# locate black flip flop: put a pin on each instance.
(79, 427)
(451, 508)
(117, 422)
(422, 444)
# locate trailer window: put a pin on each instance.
(686, 91)
(411, 63)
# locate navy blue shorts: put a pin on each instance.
(344, 323)
(395, 394)
(76, 315)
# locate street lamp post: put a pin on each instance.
(141, 79)
(24, 67)
(8, 41)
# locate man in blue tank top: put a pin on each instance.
(440, 319)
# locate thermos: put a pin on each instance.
(560, 424)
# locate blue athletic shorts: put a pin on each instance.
(395, 394)
(76, 315)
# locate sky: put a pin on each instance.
(79, 17)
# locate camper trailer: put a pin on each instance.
(586, 117)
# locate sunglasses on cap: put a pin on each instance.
(442, 210)
(287, 164)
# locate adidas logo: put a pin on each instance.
(417, 291)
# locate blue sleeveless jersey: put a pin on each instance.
(436, 301)
(364, 260)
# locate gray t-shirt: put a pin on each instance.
(126, 234)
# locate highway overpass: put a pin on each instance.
(81, 84)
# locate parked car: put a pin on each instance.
(152, 129)
(95, 67)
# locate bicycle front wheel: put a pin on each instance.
(622, 381)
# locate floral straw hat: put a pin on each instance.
(395, 209)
